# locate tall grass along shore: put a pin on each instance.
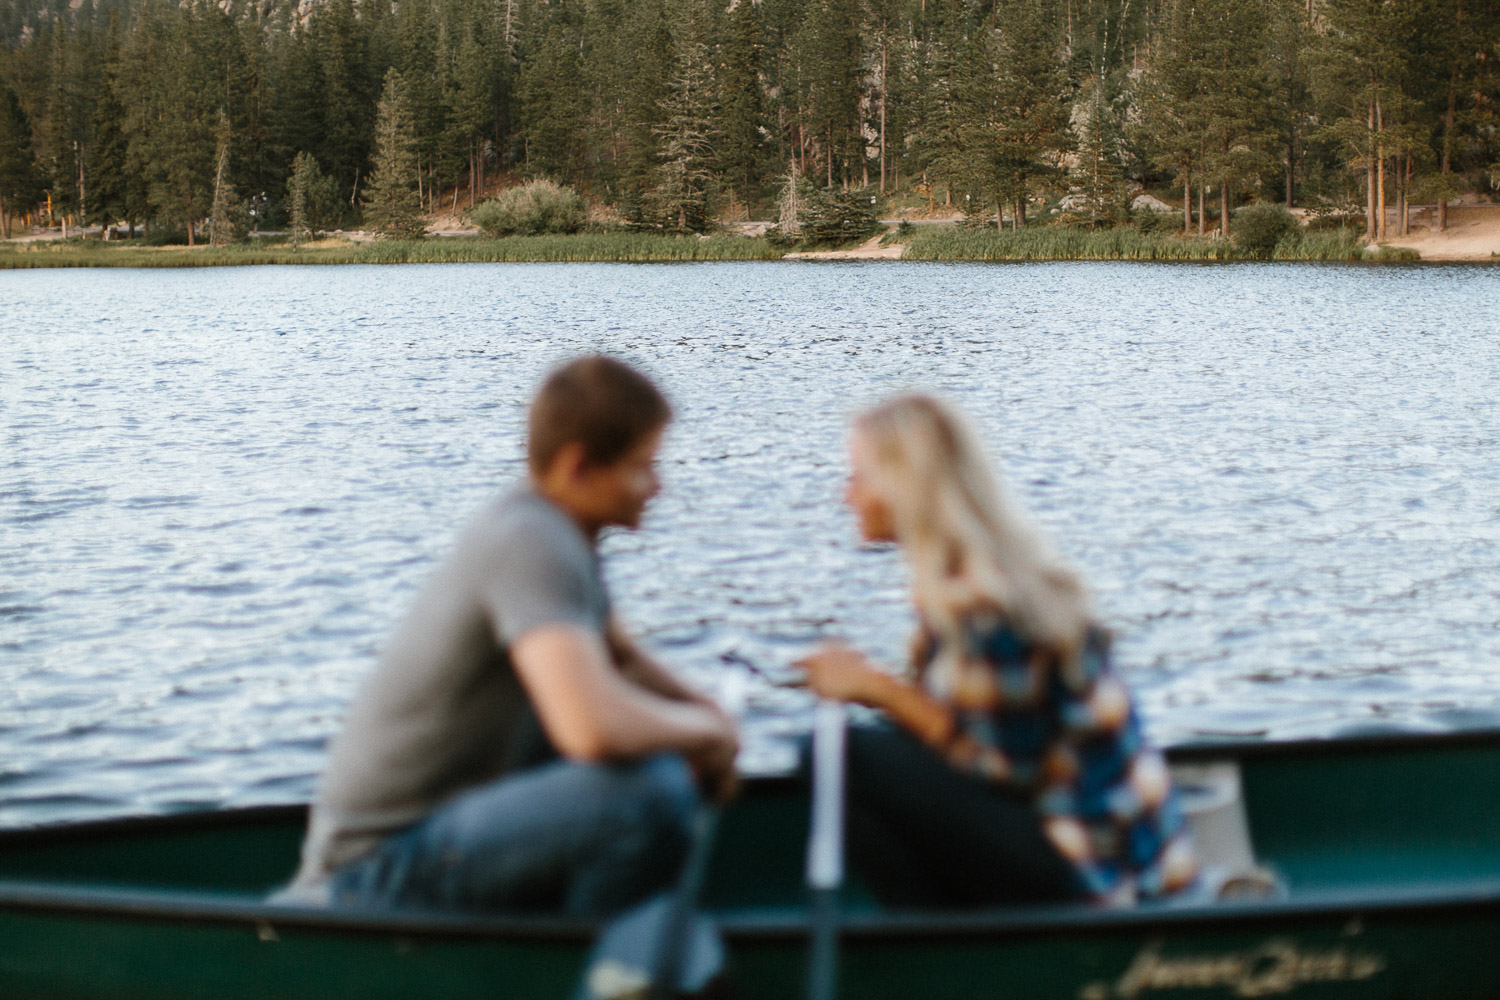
(641, 247)
(1058, 243)
(930, 243)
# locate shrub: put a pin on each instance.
(829, 215)
(538, 206)
(1148, 220)
(1259, 228)
(163, 236)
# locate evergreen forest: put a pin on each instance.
(211, 116)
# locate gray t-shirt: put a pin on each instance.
(443, 710)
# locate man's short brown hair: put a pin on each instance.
(600, 402)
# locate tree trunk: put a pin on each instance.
(1020, 212)
(1187, 204)
(1202, 210)
(1403, 177)
(4, 220)
(1380, 163)
(1370, 229)
(83, 210)
(1291, 153)
(884, 90)
(1442, 208)
(1224, 209)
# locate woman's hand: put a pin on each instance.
(841, 673)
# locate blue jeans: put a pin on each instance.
(583, 840)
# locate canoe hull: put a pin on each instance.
(1391, 848)
(1419, 953)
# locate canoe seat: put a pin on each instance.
(1213, 801)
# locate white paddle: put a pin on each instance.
(825, 848)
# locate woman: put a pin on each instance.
(1015, 770)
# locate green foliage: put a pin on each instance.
(680, 199)
(20, 181)
(1148, 221)
(834, 216)
(311, 198)
(660, 108)
(1259, 229)
(228, 221)
(539, 206)
(1393, 253)
(392, 207)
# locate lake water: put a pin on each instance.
(219, 488)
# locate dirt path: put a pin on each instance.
(870, 249)
(1473, 233)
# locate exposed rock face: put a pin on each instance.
(1150, 204)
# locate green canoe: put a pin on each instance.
(1389, 848)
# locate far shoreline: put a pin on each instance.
(1473, 238)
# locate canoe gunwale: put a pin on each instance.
(177, 907)
(1181, 753)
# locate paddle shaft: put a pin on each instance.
(666, 965)
(825, 849)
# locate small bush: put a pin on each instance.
(1331, 221)
(536, 207)
(1149, 220)
(833, 216)
(1259, 228)
(1393, 253)
(904, 231)
(163, 236)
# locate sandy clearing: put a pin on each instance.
(1473, 233)
(870, 249)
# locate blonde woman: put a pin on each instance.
(1015, 770)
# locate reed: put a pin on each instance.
(1059, 243)
(638, 247)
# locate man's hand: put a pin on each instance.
(713, 766)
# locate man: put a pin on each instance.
(514, 749)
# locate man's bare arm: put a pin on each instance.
(593, 713)
(643, 668)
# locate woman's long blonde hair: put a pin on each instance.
(970, 549)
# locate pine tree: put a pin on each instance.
(311, 198)
(1008, 123)
(116, 190)
(20, 181)
(1173, 111)
(740, 144)
(1095, 172)
(687, 136)
(467, 112)
(348, 82)
(391, 204)
(221, 227)
(552, 107)
(297, 191)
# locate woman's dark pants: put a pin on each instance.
(924, 835)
